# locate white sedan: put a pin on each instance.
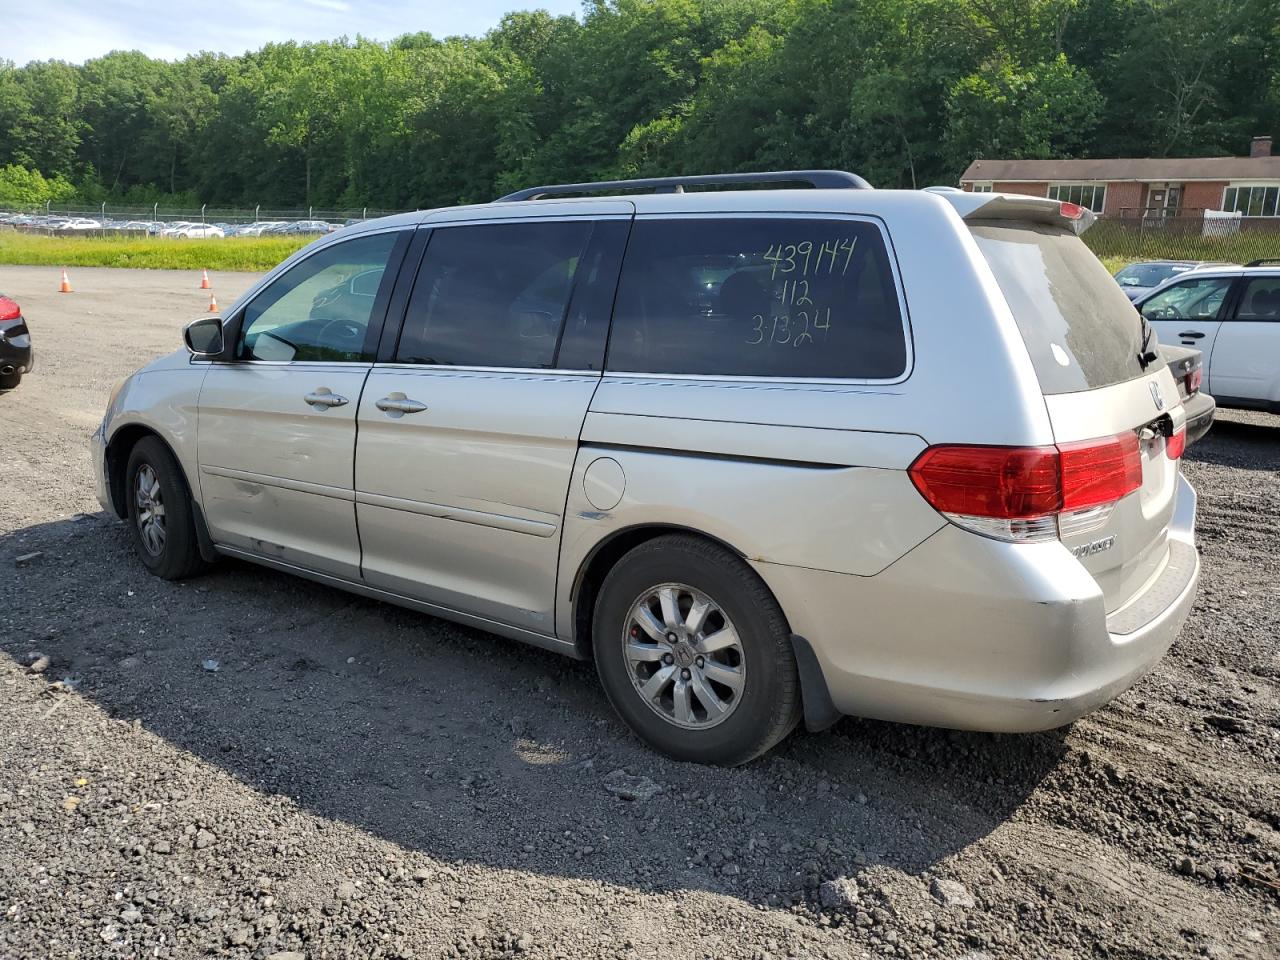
(1232, 315)
(194, 230)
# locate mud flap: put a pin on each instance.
(819, 712)
(208, 552)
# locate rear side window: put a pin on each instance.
(758, 297)
(1260, 299)
(1080, 329)
(493, 295)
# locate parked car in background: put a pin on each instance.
(16, 355)
(700, 437)
(1139, 278)
(191, 231)
(1187, 366)
(258, 228)
(78, 224)
(308, 227)
(1232, 316)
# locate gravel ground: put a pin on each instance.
(355, 780)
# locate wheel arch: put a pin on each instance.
(602, 558)
(121, 444)
(815, 696)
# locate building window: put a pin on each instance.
(1258, 200)
(982, 187)
(1090, 195)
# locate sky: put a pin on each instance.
(78, 30)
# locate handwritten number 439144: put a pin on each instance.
(810, 259)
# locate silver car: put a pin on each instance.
(765, 455)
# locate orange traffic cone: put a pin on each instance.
(204, 280)
(213, 304)
(65, 287)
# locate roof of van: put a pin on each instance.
(995, 206)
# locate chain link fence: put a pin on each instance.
(1132, 236)
(108, 219)
(1193, 235)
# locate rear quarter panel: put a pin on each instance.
(822, 499)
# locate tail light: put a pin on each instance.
(1176, 444)
(1029, 493)
(9, 310)
(1080, 218)
(1194, 380)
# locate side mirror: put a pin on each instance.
(204, 338)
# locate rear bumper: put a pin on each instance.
(16, 352)
(976, 634)
(1200, 409)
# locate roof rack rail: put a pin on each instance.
(1262, 262)
(818, 179)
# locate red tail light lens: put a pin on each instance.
(1176, 445)
(986, 483)
(1072, 211)
(9, 310)
(1100, 471)
(1003, 482)
(1194, 380)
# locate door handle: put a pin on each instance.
(1193, 334)
(397, 404)
(324, 397)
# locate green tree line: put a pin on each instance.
(905, 92)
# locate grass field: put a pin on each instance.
(233, 253)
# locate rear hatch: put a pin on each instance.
(1102, 381)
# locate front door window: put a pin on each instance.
(320, 309)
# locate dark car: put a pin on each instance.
(1187, 366)
(1139, 278)
(16, 355)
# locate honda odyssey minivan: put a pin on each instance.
(765, 455)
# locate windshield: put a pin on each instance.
(1148, 274)
(1080, 329)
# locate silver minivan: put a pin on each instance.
(764, 454)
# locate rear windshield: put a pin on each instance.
(1080, 329)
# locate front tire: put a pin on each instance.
(694, 652)
(161, 519)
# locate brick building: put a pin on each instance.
(1143, 186)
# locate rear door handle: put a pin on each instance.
(1193, 334)
(324, 397)
(397, 404)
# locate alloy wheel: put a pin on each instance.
(149, 502)
(684, 656)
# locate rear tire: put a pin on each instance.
(161, 518)
(694, 652)
(10, 381)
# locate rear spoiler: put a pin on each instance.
(1014, 206)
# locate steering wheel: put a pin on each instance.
(345, 332)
